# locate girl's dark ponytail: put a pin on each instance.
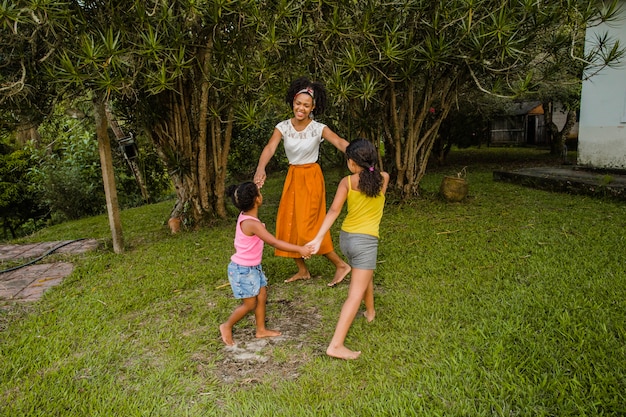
(364, 154)
(243, 195)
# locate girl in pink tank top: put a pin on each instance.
(245, 274)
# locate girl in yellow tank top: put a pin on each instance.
(365, 192)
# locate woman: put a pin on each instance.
(303, 202)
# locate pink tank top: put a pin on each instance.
(249, 249)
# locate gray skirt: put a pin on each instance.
(360, 249)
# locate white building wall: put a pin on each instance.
(602, 125)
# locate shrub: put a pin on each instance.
(18, 200)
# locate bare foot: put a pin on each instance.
(227, 335)
(342, 353)
(298, 277)
(267, 333)
(369, 317)
(340, 274)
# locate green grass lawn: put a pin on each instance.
(511, 303)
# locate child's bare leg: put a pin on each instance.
(368, 298)
(358, 286)
(259, 315)
(226, 328)
(342, 269)
(303, 271)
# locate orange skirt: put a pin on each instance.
(302, 209)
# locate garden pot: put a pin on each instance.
(174, 224)
(453, 189)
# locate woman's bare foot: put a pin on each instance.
(267, 333)
(298, 277)
(342, 352)
(340, 274)
(227, 335)
(369, 317)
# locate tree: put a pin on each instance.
(467, 123)
(65, 166)
(187, 72)
(399, 66)
(182, 74)
(39, 36)
(557, 137)
(563, 65)
(26, 98)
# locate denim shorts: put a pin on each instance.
(360, 249)
(246, 281)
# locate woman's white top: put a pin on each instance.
(301, 147)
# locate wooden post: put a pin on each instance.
(108, 176)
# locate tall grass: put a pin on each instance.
(510, 303)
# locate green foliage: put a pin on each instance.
(467, 123)
(29, 31)
(606, 179)
(154, 174)
(246, 148)
(20, 210)
(67, 176)
(386, 63)
(403, 58)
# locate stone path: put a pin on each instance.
(30, 279)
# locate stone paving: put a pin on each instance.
(30, 279)
(570, 179)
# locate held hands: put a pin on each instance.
(306, 251)
(315, 245)
(259, 178)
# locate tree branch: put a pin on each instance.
(18, 84)
(479, 85)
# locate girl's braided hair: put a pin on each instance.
(364, 154)
(243, 195)
(319, 93)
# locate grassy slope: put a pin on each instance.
(511, 303)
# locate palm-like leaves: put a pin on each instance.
(398, 58)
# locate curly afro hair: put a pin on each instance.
(319, 93)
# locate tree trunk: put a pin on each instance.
(551, 128)
(559, 138)
(27, 133)
(221, 149)
(412, 127)
(108, 175)
(193, 143)
(203, 120)
(176, 141)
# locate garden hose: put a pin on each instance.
(42, 256)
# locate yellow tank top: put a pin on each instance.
(364, 213)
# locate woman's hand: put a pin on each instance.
(266, 155)
(314, 245)
(306, 251)
(259, 178)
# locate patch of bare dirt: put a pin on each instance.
(253, 360)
